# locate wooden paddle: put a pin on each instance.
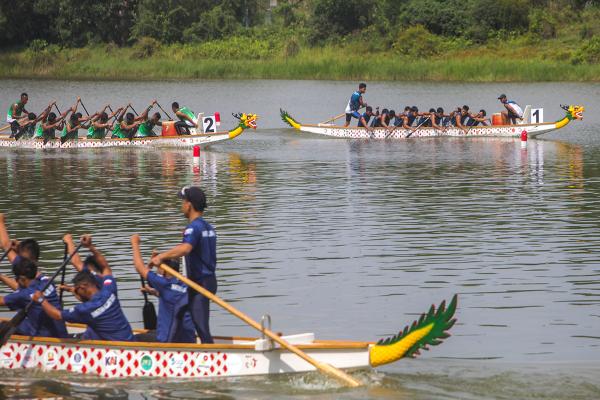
(162, 109)
(4, 127)
(337, 117)
(9, 328)
(5, 254)
(62, 278)
(418, 127)
(323, 367)
(148, 312)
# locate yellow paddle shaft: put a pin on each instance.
(325, 368)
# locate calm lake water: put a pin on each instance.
(348, 239)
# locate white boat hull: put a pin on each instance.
(83, 143)
(145, 360)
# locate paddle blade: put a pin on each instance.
(149, 313)
(7, 329)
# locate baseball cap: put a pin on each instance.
(502, 96)
(194, 195)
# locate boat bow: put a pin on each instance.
(247, 121)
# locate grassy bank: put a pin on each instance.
(240, 58)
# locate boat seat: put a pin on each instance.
(267, 344)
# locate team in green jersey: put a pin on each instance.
(123, 124)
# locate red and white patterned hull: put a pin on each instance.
(82, 143)
(120, 360)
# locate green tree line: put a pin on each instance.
(76, 23)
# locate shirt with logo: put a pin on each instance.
(202, 260)
(37, 322)
(174, 321)
(102, 314)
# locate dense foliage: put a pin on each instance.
(48, 31)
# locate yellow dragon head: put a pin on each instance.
(247, 120)
(574, 112)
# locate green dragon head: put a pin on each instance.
(574, 112)
(247, 120)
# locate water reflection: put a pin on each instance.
(350, 239)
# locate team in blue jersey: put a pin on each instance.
(182, 315)
(412, 118)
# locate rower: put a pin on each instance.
(409, 117)
(29, 282)
(129, 126)
(117, 132)
(47, 129)
(186, 117)
(100, 124)
(100, 309)
(147, 124)
(463, 119)
(175, 323)
(365, 118)
(199, 246)
(480, 118)
(438, 119)
(381, 119)
(513, 110)
(14, 112)
(28, 248)
(355, 103)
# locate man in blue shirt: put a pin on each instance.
(100, 309)
(37, 323)
(199, 247)
(355, 103)
(175, 323)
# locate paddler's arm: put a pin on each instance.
(138, 261)
(48, 308)
(405, 124)
(185, 116)
(182, 249)
(76, 258)
(5, 240)
(10, 282)
(86, 240)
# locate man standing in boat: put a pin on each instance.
(186, 117)
(355, 103)
(15, 112)
(199, 247)
(513, 111)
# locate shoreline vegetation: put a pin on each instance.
(403, 40)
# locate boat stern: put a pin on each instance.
(287, 118)
(429, 330)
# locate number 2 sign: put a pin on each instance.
(209, 124)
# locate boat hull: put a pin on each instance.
(192, 361)
(399, 133)
(83, 143)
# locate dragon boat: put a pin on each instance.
(168, 138)
(532, 130)
(227, 357)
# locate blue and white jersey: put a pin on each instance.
(37, 322)
(174, 321)
(354, 102)
(517, 108)
(202, 260)
(102, 314)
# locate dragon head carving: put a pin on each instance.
(246, 120)
(574, 112)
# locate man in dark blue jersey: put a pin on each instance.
(100, 309)
(175, 323)
(199, 247)
(37, 323)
